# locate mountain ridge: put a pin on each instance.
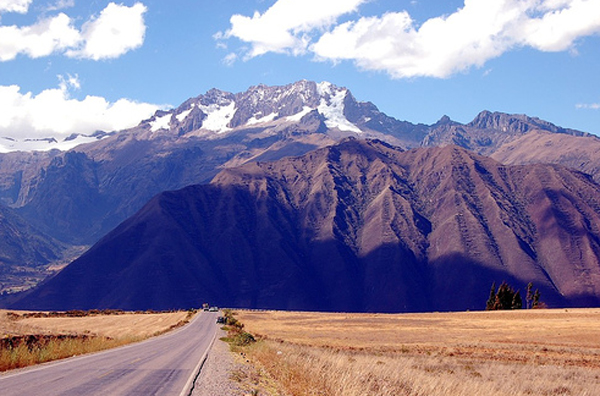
(357, 226)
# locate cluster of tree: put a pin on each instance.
(507, 298)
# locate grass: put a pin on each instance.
(52, 348)
(113, 324)
(546, 352)
(33, 338)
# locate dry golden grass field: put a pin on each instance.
(26, 340)
(527, 352)
(127, 325)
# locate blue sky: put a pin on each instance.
(77, 66)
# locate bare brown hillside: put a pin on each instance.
(358, 226)
(576, 152)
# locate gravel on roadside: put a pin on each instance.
(215, 378)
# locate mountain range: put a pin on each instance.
(77, 196)
(356, 226)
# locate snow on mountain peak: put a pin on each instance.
(261, 120)
(183, 115)
(294, 101)
(324, 88)
(223, 112)
(218, 117)
(161, 122)
(8, 144)
(298, 116)
(333, 111)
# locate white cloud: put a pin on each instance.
(588, 106)
(230, 59)
(19, 6)
(69, 82)
(52, 113)
(441, 46)
(117, 30)
(60, 5)
(42, 39)
(562, 24)
(285, 27)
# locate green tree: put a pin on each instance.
(517, 302)
(489, 305)
(504, 297)
(536, 299)
(529, 296)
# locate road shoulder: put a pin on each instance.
(216, 375)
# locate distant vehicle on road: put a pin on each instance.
(213, 309)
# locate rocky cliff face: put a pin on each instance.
(359, 226)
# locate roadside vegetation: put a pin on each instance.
(236, 336)
(30, 338)
(23, 351)
(252, 379)
(526, 352)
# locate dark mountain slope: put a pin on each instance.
(360, 226)
(532, 222)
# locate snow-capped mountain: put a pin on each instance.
(10, 144)
(218, 113)
(78, 195)
(221, 112)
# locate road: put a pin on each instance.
(163, 365)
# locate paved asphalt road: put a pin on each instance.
(162, 365)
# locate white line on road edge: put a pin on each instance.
(189, 386)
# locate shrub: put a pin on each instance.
(243, 339)
(236, 335)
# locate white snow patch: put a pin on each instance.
(324, 88)
(217, 117)
(9, 144)
(161, 123)
(183, 115)
(267, 118)
(334, 113)
(298, 116)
